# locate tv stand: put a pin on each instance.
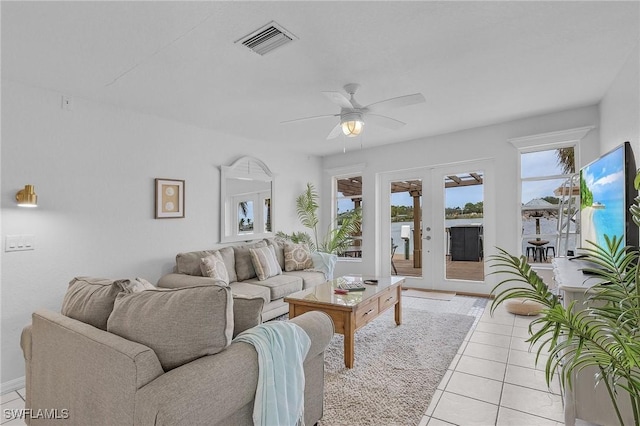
(582, 401)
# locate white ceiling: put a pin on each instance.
(477, 63)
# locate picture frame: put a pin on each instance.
(169, 197)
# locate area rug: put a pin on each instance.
(437, 295)
(397, 368)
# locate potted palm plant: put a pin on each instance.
(605, 333)
(339, 235)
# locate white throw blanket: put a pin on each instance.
(282, 347)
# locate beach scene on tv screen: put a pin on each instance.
(602, 189)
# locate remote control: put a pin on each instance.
(351, 286)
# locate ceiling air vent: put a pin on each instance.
(267, 38)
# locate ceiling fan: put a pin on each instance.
(353, 115)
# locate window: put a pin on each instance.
(348, 202)
(548, 204)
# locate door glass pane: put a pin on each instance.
(348, 199)
(463, 217)
(406, 226)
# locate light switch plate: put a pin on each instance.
(20, 242)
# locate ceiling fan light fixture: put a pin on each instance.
(352, 125)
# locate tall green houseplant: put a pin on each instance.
(340, 233)
(604, 334)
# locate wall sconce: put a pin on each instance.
(27, 197)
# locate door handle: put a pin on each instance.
(427, 229)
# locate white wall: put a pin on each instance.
(490, 142)
(620, 108)
(93, 169)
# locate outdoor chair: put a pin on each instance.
(531, 251)
(551, 248)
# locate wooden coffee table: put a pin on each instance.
(351, 311)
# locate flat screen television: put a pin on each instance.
(606, 193)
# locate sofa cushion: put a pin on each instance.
(280, 285)
(244, 264)
(189, 263)
(309, 278)
(90, 300)
(297, 257)
(213, 266)
(229, 259)
(135, 285)
(247, 313)
(248, 290)
(265, 262)
(180, 324)
(278, 246)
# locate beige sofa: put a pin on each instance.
(243, 280)
(82, 375)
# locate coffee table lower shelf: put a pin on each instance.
(348, 319)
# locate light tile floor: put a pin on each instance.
(12, 401)
(493, 380)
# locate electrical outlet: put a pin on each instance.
(67, 103)
(20, 242)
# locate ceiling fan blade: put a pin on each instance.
(335, 132)
(383, 121)
(339, 98)
(310, 118)
(398, 102)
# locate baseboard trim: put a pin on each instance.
(12, 385)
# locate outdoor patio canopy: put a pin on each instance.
(352, 187)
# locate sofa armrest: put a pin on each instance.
(25, 342)
(90, 372)
(208, 391)
(221, 386)
(319, 328)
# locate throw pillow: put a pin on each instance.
(213, 266)
(189, 263)
(180, 324)
(278, 245)
(297, 257)
(229, 258)
(134, 285)
(90, 300)
(265, 262)
(244, 264)
(324, 262)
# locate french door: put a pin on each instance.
(434, 226)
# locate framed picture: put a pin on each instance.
(169, 198)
